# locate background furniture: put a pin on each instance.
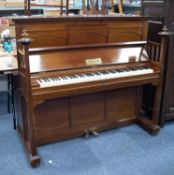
(62, 4)
(8, 67)
(152, 8)
(132, 7)
(11, 11)
(163, 17)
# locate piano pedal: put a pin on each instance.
(95, 133)
(87, 133)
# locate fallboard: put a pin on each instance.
(86, 56)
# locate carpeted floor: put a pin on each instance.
(124, 151)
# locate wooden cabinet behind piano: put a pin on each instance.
(164, 16)
(87, 46)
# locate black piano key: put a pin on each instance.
(112, 71)
(74, 76)
(67, 77)
(57, 78)
(41, 80)
(128, 70)
(53, 79)
(97, 73)
(104, 72)
(119, 71)
(88, 74)
(146, 67)
(77, 75)
(141, 68)
(81, 75)
(91, 74)
(64, 78)
(134, 68)
(71, 77)
(46, 80)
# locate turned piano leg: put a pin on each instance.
(151, 125)
(30, 149)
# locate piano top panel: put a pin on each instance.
(78, 30)
(77, 58)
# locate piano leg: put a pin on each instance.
(30, 148)
(24, 130)
(151, 125)
(148, 125)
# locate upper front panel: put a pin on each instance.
(74, 31)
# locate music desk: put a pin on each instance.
(8, 67)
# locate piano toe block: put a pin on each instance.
(148, 125)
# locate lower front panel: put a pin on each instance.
(67, 117)
(121, 104)
(87, 110)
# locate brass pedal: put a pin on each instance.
(87, 133)
(95, 133)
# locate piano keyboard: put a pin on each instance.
(96, 76)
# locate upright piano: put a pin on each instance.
(68, 90)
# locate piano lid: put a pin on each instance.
(85, 57)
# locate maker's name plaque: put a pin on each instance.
(93, 61)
